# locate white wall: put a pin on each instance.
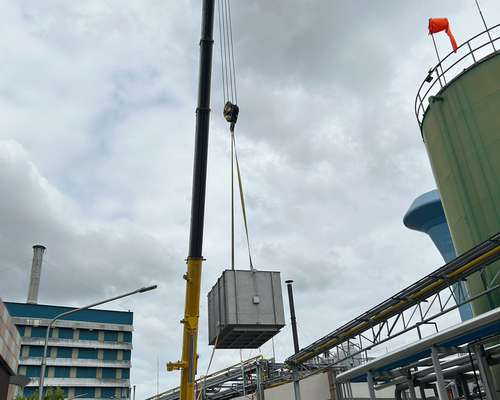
(360, 391)
(315, 387)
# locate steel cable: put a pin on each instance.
(219, 19)
(228, 73)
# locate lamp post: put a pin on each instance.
(64, 314)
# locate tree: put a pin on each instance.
(51, 394)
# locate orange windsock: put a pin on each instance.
(442, 24)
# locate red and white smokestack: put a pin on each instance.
(36, 272)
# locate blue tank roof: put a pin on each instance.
(425, 211)
(426, 214)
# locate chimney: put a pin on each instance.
(36, 271)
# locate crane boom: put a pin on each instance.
(188, 362)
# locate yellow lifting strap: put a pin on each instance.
(242, 196)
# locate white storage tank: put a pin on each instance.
(245, 309)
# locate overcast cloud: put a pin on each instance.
(97, 103)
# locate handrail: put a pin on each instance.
(440, 73)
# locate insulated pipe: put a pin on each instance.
(448, 374)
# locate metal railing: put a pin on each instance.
(468, 54)
(415, 306)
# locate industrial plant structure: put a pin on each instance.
(426, 214)
(457, 108)
(88, 352)
(460, 128)
(10, 343)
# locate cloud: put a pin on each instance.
(97, 103)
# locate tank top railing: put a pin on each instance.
(469, 53)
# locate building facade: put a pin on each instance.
(88, 355)
(10, 343)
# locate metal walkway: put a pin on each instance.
(428, 360)
(417, 305)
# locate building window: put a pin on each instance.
(87, 354)
(21, 329)
(86, 334)
(110, 336)
(66, 333)
(64, 352)
(62, 372)
(38, 331)
(82, 372)
(32, 371)
(85, 392)
(127, 337)
(36, 351)
(126, 355)
(110, 355)
(108, 373)
(107, 393)
(125, 373)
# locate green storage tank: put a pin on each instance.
(461, 131)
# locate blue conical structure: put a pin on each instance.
(426, 215)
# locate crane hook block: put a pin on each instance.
(231, 112)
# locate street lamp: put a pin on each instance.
(64, 314)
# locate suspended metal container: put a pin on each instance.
(245, 309)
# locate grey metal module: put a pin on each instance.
(245, 309)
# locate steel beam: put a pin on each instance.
(439, 375)
(371, 386)
(484, 369)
